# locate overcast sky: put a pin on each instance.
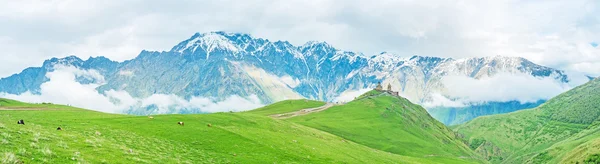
(556, 33)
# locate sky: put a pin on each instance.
(556, 33)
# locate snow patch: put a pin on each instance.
(276, 87)
(125, 73)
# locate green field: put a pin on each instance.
(246, 137)
(562, 130)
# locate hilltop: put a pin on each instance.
(391, 123)
(565, 129)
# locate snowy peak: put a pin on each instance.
(313, 44)
(427, 59)
(313, 48)
(208, 42)
(245, 48)
(385, 60)
(350, 56)
(239, 45)
(427, 62)
(67, 61)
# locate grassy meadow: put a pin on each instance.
(94, 137)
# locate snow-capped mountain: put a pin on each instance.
(220, 64)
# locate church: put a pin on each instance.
(389, 89)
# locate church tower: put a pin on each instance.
(379, 87)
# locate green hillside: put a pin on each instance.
(94, 137)
(392, 124)
(286, 106)
(564, 129)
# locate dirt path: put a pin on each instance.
(303, 112)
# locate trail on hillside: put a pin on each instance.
(303, 111)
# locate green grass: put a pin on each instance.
(595, 158)
(286, 106)
(94, 137)
(4, 103)
(562, 130)
(392, 124)
(576, 148)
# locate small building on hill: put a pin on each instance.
(379, 87)
(389, 89)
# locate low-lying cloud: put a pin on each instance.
(502, 87)
(349, 95)
(63, 88)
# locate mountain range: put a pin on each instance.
(221, 64)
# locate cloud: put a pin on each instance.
(503, 87)
(440, 100)
(63, 88)
(553, 33)
(349, 95)
(166, 103)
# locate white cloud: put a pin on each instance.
(62, 88)
(554, 33)
(503, 87)
(349, 95)
(440, 100)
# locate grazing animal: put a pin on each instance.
(209, 125)
(180, 123)
(150, 117)
(58, 128)
(21, 122)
